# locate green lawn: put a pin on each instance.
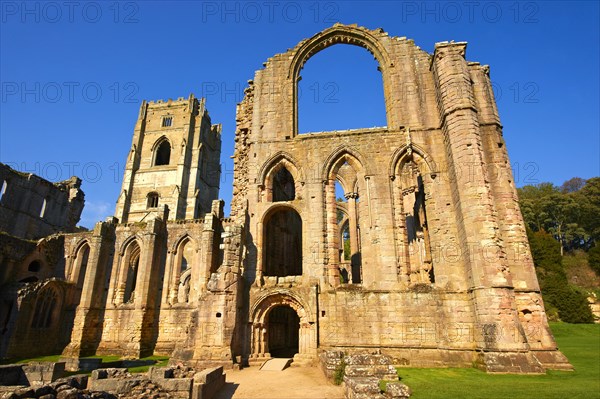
(579, 342)
(146, 362)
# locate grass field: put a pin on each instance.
(108, 361)
(579, 342)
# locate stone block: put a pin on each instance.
(43, 373)
(12, 374)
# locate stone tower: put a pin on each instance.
(173, 162)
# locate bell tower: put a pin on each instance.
(173, 161)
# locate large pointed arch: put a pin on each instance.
(162, 152)
(127, 272)
(128, 241)
(338, 157)
(274, 165)
(412, 173)
(402, 154)
(280, 159)
(80, 263)
(340, 34)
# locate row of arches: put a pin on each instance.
(411, 175)
(183, 261)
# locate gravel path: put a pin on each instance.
(293, 382)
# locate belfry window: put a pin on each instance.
(152, 200)
(163, 153)
(167, 121)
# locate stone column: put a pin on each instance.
(354, 246)
(169, 294)
(86, 329)
(208, 237)
(490, 284)
(333, 272)
(352, 222)
(260, 263)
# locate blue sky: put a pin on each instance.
(73, 75)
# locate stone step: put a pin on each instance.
(277, 364)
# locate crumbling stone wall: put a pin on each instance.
(440, 271)
(42, 318)
(32, 207)
(37, 304)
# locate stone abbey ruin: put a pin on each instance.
(426, 261)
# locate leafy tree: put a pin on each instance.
(532, 205)
(572, 185)
(560, 213)
(569, 213)
(589, 199)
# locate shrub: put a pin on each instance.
(340, 370)
(594, 259)
(571, 305)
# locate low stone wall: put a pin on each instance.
(368, 388)
(43, 373)
(330, 361)
(208, 382)
(167, 382)
(165, 378)
(362, 373)
(367, 365)
(31, 374)
(113, 380)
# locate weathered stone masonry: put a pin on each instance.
(425, 259)
(440, 269)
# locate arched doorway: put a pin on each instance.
(282, 326)
(283, 332)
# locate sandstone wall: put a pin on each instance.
(437, 236)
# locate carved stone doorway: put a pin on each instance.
(283, 331)
(282, 327)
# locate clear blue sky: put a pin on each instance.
(73, 76)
